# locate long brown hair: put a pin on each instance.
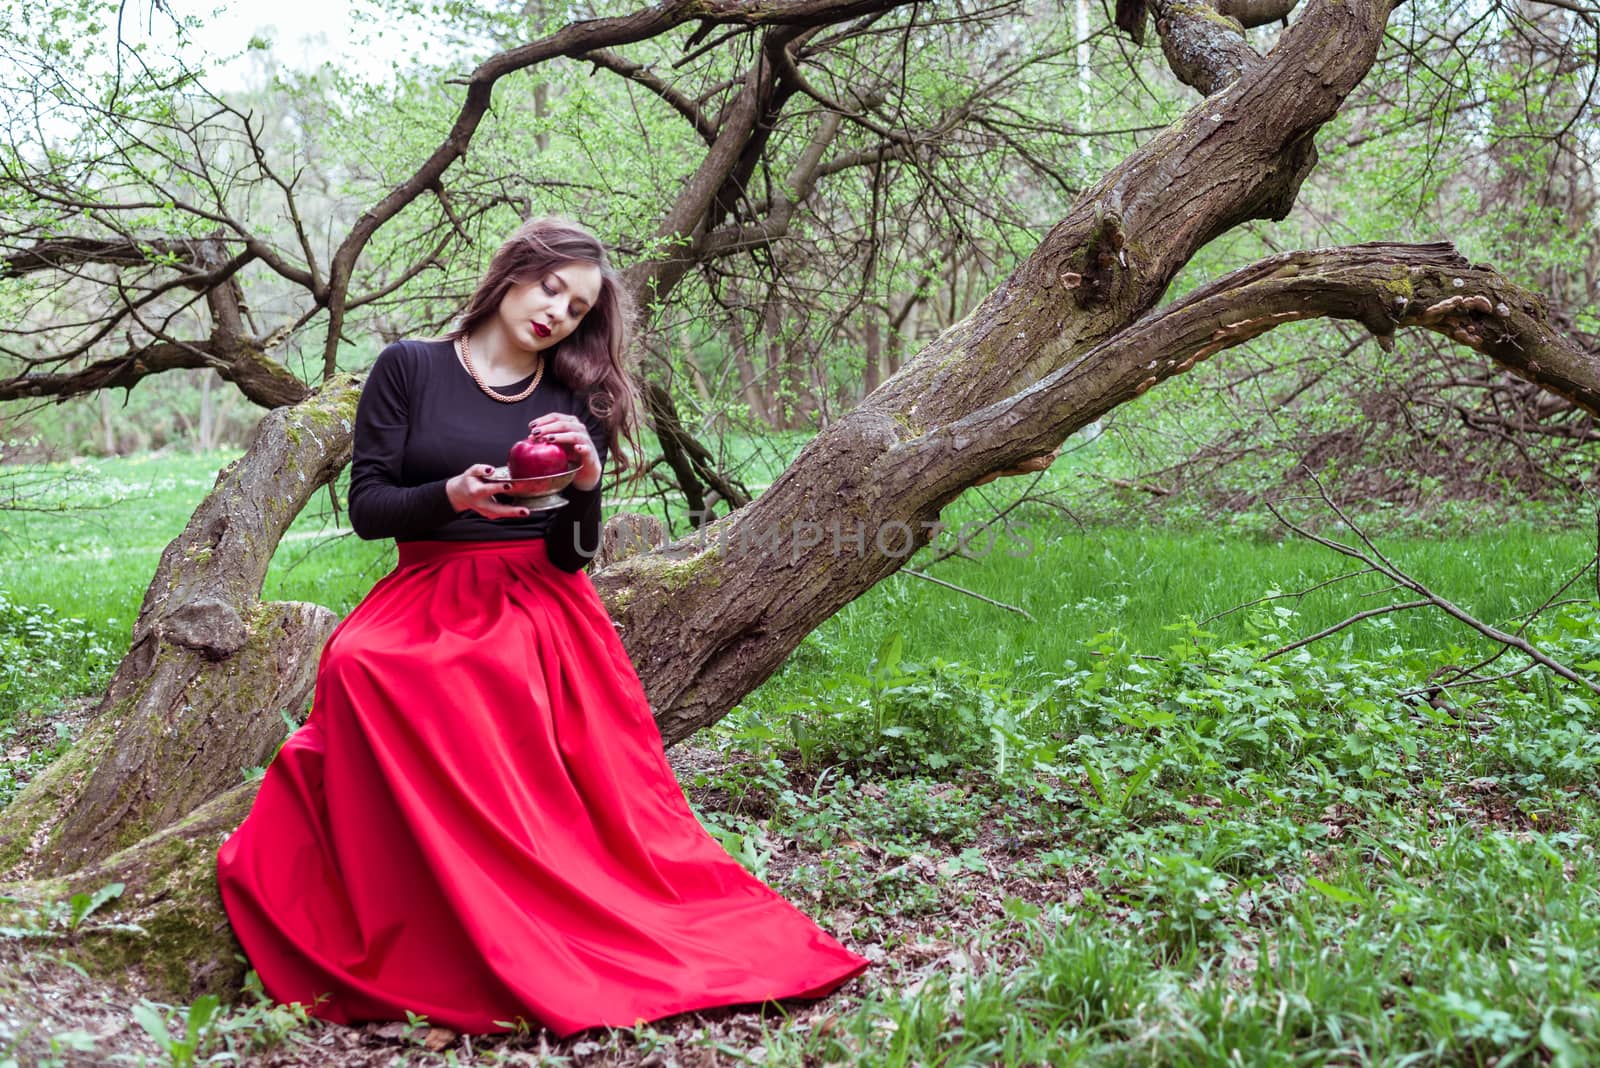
(591, 361)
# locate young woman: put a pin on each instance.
(477, 822)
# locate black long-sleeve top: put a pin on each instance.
(422, 420)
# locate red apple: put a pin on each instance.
(533, 457)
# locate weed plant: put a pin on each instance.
(1199, 857)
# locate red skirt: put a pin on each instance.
(477, 823)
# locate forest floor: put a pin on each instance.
(1120, 825)
(52, 1013)
(956, 891)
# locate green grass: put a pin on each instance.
(93, 560)
(1108, 834)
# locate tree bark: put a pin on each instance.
(187, 948)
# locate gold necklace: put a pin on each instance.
(465, 349)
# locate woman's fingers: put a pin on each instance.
(474, 490)
(565, 430)
(492, 510)
(485, 505)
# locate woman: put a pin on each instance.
(477, 822)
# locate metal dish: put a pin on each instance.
(540, 494)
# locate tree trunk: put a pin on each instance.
(108, 425)
(207, 434)
(749, 381)
(210, 671)
(872, 337)
(670, 433)
(780, 402)
(187, 947)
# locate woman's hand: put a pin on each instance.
(569, 432)
(473, 491)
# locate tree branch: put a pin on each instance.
(1205, 49)
(572, 40)
(1375, 559)
(1383, 286)
(640, 74)
(1252, 13)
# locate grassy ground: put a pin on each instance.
(91, 560)
(1107, 833)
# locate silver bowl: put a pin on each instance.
(542, 494)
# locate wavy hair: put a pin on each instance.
(591, 361)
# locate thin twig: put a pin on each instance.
(1527, 621)
(1375, 559)
(1456, 683)
(1337, 627)
(1285, 596)
(962, 589)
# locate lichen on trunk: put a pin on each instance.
(184, 946)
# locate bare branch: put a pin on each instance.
(1344, 623)
(643, 75)
(1472, 304)
(572, 40)
(128, 252)
(1252, 13)
(1375, 560)
(260, 378)
(1204, 49)
(1295, 596)
(963, 590)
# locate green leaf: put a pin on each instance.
(1334, 893)
(1564, 1053)
(888, 656)
(154, 1023)
(201, 1013)
(83, 906)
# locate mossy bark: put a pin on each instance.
(188, 730)
(186, 947)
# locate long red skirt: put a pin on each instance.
(477, 823)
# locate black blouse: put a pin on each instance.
(422, 420)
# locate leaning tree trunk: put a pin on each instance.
(1060, 342)
(210, 670)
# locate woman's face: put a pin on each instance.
(538, 314)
